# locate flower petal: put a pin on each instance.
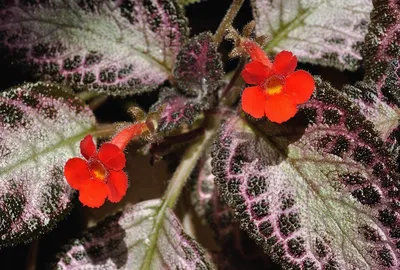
(256, 53)
(88, 148)
(117, 184)
(76, 172)
(285, 63)
(112, 156)
(280, 108)
(253, 101)
(300, 85)
(255, 72)
(93, 194)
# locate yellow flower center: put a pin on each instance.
(274, 86)
(99, 172)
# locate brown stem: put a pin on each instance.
(227, 20)
(32, 256)
(97, 102)
(229, 97)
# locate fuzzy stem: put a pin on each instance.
(227, 20)
(227, 96)
(178, 180)
(97, 102)
(86, 96)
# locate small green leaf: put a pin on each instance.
(126, 241)
(40, 128)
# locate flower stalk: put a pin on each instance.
(177, 182)
(227, 20)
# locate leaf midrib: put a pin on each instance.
(142, 54)
(66, 142)
(291, 164)
(288, 27)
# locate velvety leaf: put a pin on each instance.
(117, 47)
(122, 242)
(40, 128)
(325, 32)
(198, 73)
(178, 110)
(198, 70)
(319, 195)
(385, 117)
(237, 250)
(382, 43)
(390, 83)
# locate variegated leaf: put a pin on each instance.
(177, 110)
(198, 68)
(237, 250)
(198, 73)
(319, 195)
(384, 116)
(116, 47)
(326, 32)
(123, 241)
(382, 43)
(40, 128)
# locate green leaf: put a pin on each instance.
(114, 47)
(325, 32)
(126, 241)
(40, 128)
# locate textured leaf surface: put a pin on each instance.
(320, 196)
(390, 84)
(198, 73)
(121, 241)
(40, 128)
(117, 47)
(326, 32)
(382, 43)
(237, 250)
(178, 110)
(385, 117)
(199, 69)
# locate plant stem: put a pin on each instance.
(227, 97)
(227, 20)
(176, 184)
(185, 168)
(32, 256)
(97, 102)
(85, 96)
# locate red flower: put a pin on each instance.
(279, 88)
(100, 175)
